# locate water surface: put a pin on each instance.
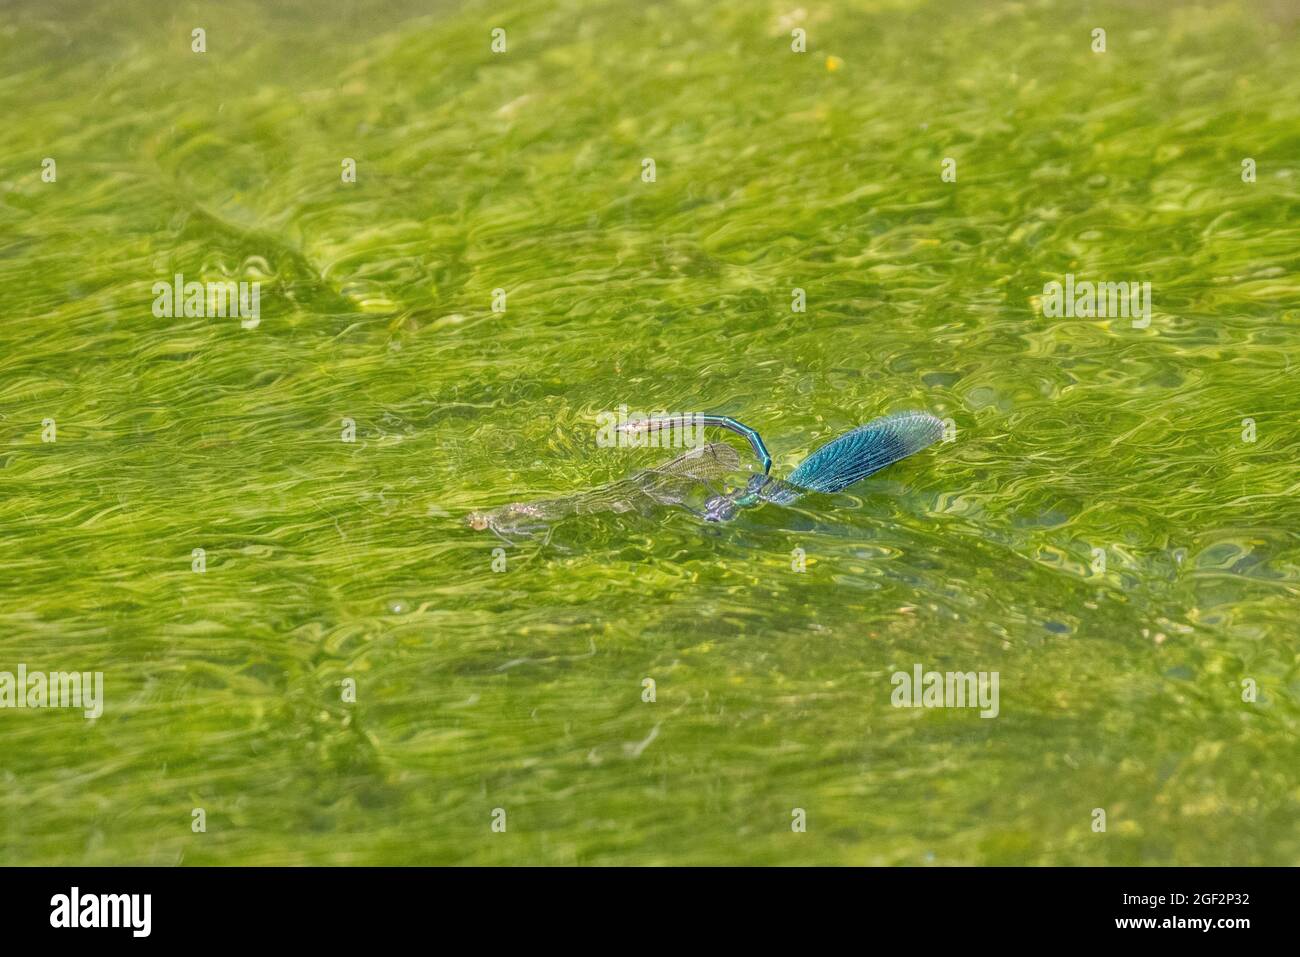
(328, 561)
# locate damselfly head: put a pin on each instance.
(720, 508)
(477, 521)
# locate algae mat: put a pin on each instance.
(252, 526)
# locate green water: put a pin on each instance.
(330, 561)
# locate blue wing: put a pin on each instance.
(867, 449)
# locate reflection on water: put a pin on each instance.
(1113, 528)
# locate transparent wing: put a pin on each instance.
(689, 476)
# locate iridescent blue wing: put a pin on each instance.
(867, 449)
